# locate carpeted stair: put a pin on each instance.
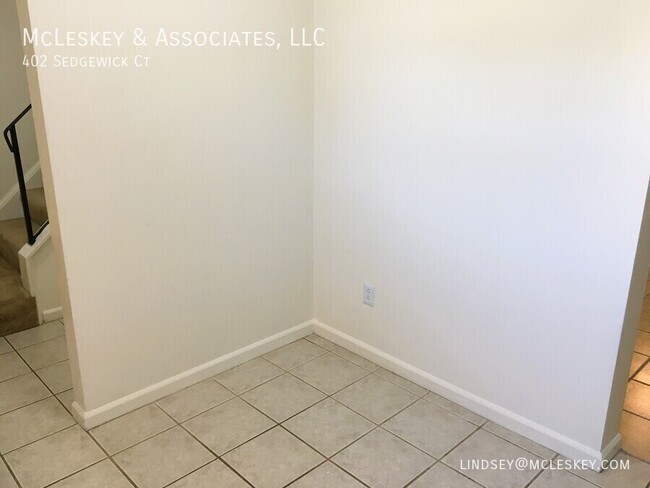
(17, 307)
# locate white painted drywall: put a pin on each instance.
(10, 204)
(484, 165)
(183, 191)
(14, 97)
(38, 269)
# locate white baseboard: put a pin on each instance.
(502, 416)
(126, 404)
(52, 314)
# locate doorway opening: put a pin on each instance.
(635, 420)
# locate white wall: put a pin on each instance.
(14, 97)
(485, 164)
(183, 191)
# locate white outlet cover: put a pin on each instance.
(369, 294)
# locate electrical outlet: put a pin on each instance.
(369, 294)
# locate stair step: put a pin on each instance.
(37, 208)
(17, 308)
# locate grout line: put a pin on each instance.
(10, 471)
(306, 473)
(35, 343)
(361, 357)
(284, 420)
(637, 415)
(410, 483)
(483, 422)
(72, 474)
(187, 474)
(422, 474)
(638, 370)
(527, 485)
(307, 338)
(376, 372)
(41, 438)
(517, 445)
(325, 351)
(217, 457)
(53, 364)
(115, 463)
(214, 378)
(166, 429)
(69, 427)
(227, 464)
(44, 366)
(336, 391)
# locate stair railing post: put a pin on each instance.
(15, 149)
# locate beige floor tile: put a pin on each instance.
(228, 425)
(214, 475)
(559, 479)
(134, 427)
(637, 399)
(21, 391)
(642, 344)
(329, 426)
(644, 376)
(273, 459)
(52, 458)
(67, 397)
(35, 335)
(319, 341)
(530, 446)
(454, 408)
(637, 361)
(443, 476)
(11, 365)
(429, 427)
(6, 480)
(295, 354)
(45, 353)
(356, 359)
(163, 459)
(329, 373)
(4, 346)
(195, 400)
(57, 377)
(485, 446)
(375, 398)
(101, 475)
(327, 475)
(401, 382)
(636, 436)
(637, 476)
(283, 397)
(31, 423)
(382, 460)
(248, 375)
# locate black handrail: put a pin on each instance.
(11, 138)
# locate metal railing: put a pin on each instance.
(11, 138)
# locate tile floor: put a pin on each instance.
(635, 422)
(307, 415)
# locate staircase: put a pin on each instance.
(17, 307)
